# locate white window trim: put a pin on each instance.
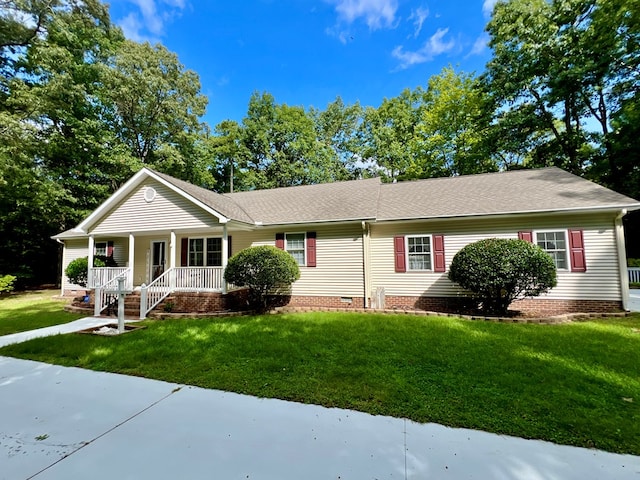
(567, 252)
(96, 248)
(304, 245)
(204, 252)
(406, 253)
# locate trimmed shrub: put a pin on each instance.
(498, 271)
(78, 269)
(6, 283)
(265, 270)
(633, 262)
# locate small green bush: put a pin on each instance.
(498, 271)
(633, 262)
(265, 270)
(6, 283)
(78, 269)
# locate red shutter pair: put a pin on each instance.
(437, 250)
(576, 248)
(311, 247)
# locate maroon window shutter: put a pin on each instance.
(311, 249)
(229, 247)
(400, 258)
(438, 253)
(280, 241)
(110, 248)
(184, 252)
(576, 249)
(526, 236)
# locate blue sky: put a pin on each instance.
(307, 52)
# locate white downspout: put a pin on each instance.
(622, 260)
(365, 262)
(64, 250)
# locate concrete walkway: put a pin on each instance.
(68, 423)
(74, 326)
(634, 300)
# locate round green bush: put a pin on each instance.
(78, 269)
(498, 271)
(265, 270)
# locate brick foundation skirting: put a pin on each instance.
(528, 306)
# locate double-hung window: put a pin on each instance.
(419, 252)
(205, 252)
(295, 245)
(100, 249)
(555, 244)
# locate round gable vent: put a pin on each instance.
(149, 194)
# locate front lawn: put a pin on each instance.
(29, 310)
(575, 384)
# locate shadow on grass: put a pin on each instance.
(575, 384)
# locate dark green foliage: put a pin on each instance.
(78, 269)
(498, 271)
(633, 262)
(266, 270)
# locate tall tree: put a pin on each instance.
(389, 134)
(453, 126)
(561, 70)
(153, 105)
(282, 146)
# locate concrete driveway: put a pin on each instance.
(68, 423)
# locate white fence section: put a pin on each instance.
(201, 279)
(106, 290)
(634, 274)
(152, 294)
(100, 276)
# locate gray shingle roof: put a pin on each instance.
(518, 191)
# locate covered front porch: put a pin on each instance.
(155, 265)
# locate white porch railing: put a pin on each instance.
(634, 274)
(199, 279)
(152, 294)
(102, 275)
(104, 290)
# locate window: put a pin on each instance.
(100, 249)
(196, 252)
(419, 253)
(555, 244)
(294, 245)
(205, 252)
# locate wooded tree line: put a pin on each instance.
(82, 109)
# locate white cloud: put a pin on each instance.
(376, 13)
(418, 16)
(148, 23)
(487, 7)
(436, 45)
(480, 45)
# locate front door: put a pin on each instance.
(158, 258)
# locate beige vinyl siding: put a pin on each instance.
(339, 270)
(168, 210)
(601, 281)
(73, 249)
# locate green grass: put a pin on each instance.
(574, 384)
(30, 310)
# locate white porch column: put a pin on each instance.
(132, 247)
(92, 244)
(225, 253)
(172, 260)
